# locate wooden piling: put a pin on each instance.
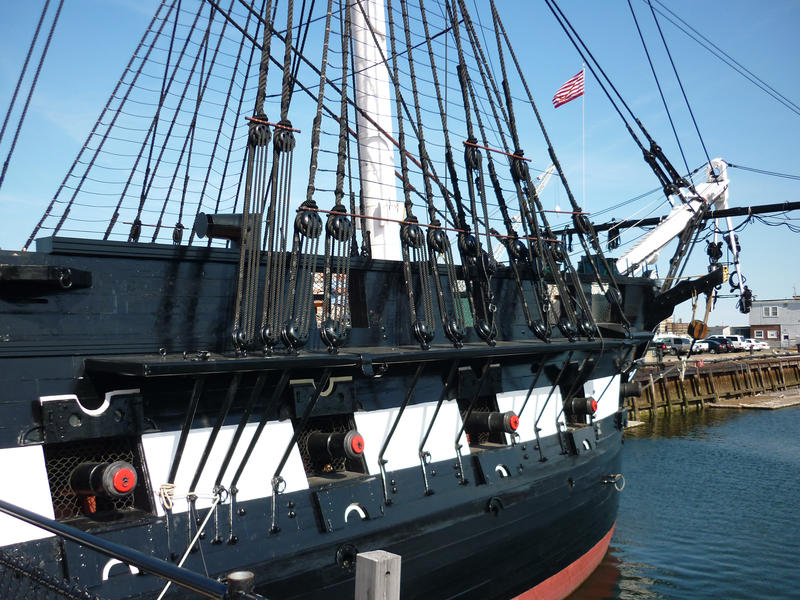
(377, 576)
(718, 381)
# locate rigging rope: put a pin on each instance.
(437, 241)
(339, 229)
(97, 124)
(228, 96)
(658, 85)
(478, 262)
(257, 187)
(725, 57)
(24, 69)
(136, 227)
(680, 83)
(30, 91)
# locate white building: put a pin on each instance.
(777, 322)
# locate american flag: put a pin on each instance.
(572, 89)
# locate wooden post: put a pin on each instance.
(783, 375)
(652, 389)
(685, 403)
(377, 576)
(712, 385)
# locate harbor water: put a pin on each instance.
(711, 509)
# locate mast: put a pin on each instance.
(373, 95)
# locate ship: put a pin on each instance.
(361, 332)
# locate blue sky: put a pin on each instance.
(738, 122)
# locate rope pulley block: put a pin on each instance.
(258, 133)
(519, 168)
(437, 238)
(339, 444)
(307, 222)
(567, 328)
(339, 226)
(468, 246)
(411, 233)
(177, 233)
(582, 223)
(136, 230)
(492, 422)
(117, 479)
(517, 249)
(538, 328)
(559, 251)
(472, 155)
(586, 327)
(714, 251)
(283, 138)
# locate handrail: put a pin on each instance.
(199, 584)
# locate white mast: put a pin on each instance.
(374, 96)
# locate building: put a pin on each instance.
(777, 322)
(719, 330)
(671, 327)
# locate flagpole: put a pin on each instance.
(583, 137)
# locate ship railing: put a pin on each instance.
(237, 586)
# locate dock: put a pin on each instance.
(740, 381)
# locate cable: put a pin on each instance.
(680, 83)
(765, 172)
(727, 58)
(658, 84)
(30, 91)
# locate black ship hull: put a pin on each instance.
(498, 543)
(483, 515)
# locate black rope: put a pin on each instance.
(228, 97)
(339, 229)
(202, 85)
(136, 227)
(30, 93)
(98, 122)
(582, 224)
(765, 172)
(256, 182)
(680, 83)
(263, 68)
(654, 156)
(658, 85)
(725, 57)
(511, 240)
(437, 241)
(24, 69)
(286, 85)
(457, 211)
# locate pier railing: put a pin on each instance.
(697, 382)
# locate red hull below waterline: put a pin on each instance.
(566, 581)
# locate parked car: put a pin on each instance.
(718, 346)
(700, 346)
(748, 344)
(758, 344)
(674, 344)
(736, 341)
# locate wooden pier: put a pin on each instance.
(722, 382)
